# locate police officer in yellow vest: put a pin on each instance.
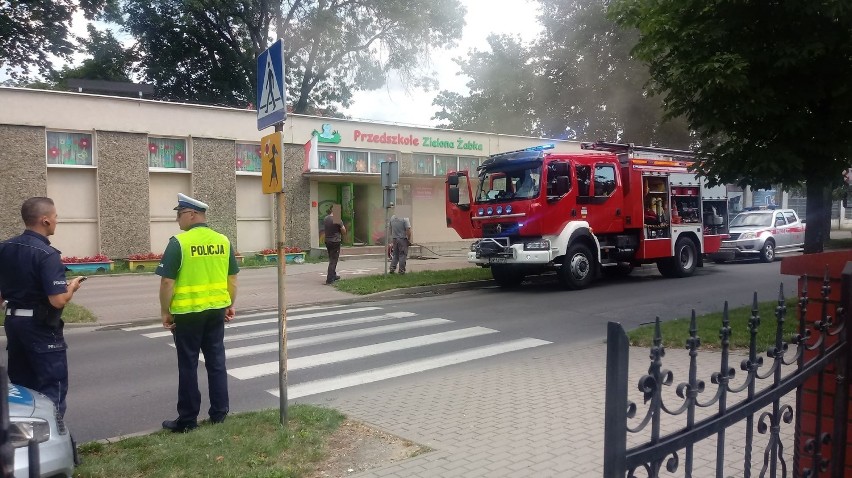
(198, 287)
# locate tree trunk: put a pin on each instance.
(818, 216)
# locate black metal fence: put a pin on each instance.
(759, 399)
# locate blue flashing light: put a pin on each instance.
(480, 211)
(490, 211)
(541, 147)
(499, 209)
(508, 209)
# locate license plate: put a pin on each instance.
(497, 260)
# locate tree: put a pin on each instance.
(33, 30)
(576, 81)
(501, 91)
(108, 60)
(764, 85)
(205, 51)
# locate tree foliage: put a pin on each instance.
(502, 93)
(764, 85)
(33, 30)
(577, 80)
(205, 51)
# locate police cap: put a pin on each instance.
(186, 202)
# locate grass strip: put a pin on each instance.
(381, 282)
(247, 444)
(675, 332)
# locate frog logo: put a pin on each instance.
(327, 135)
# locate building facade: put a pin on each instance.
(115, 165)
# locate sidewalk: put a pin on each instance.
(122, 299)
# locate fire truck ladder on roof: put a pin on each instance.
(632, 148)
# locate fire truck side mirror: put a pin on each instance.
(453, 179)
(453, 193)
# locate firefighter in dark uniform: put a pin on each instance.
(198, 287)
(32, 282)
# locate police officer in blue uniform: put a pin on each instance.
(198, 287)
(32, 282)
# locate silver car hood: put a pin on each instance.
(22, 401)
(742, 229)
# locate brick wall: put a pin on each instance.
(811, 396)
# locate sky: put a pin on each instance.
(392, 103)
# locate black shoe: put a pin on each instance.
(393, 272)
(402, 273)
(175, 426)
(336, 277)
(218, 419)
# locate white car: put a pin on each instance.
(33, 415)
(763, 234)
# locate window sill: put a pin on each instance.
(169, 170)
(72, 166)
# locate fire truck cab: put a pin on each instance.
(603, 210)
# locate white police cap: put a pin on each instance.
(186, 202)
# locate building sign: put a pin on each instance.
(410, 140)
(385, 138)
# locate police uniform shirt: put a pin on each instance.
(170, 263)
(30, 270)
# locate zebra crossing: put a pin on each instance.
(329, 347)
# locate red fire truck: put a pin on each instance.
(602, 210)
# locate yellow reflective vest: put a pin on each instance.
(202, 280)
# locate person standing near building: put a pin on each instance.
(334, 232)
(400, 229)
(198, 287)
(32, 281)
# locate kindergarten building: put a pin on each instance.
(114, 166)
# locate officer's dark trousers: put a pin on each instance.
(205, 332)
(400, 254)
(37, 358)
(333, 249)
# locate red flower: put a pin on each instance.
(84, 143)
(54, 152)
(239, 163)
(145, 257)
(179, 157)
(152, 148)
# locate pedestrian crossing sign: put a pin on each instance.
(271, 148)
(271, 91)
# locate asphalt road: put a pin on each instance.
(124, 382)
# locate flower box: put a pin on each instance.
(268, 257)
(78, 267)
(97, 263)
(239, 259)
(141, 265)
(295, 257)
(143, 262)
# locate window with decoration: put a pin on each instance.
(248, 157)
(327, 159)
(469, 165)
(445, 164)
(168, 153)
(353, 162)
(70, 149)
(376, 161)
(424, 164)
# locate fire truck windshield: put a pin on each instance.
(509, 182)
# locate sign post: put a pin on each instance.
(272, 110)
(390, 178)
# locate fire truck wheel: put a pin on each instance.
(506, 276)
(683, 263)
(579, 268)
(767, 253)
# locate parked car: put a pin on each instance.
(762, 233)
(33, 415)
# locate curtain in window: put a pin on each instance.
(166, 153)
(69, 148)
